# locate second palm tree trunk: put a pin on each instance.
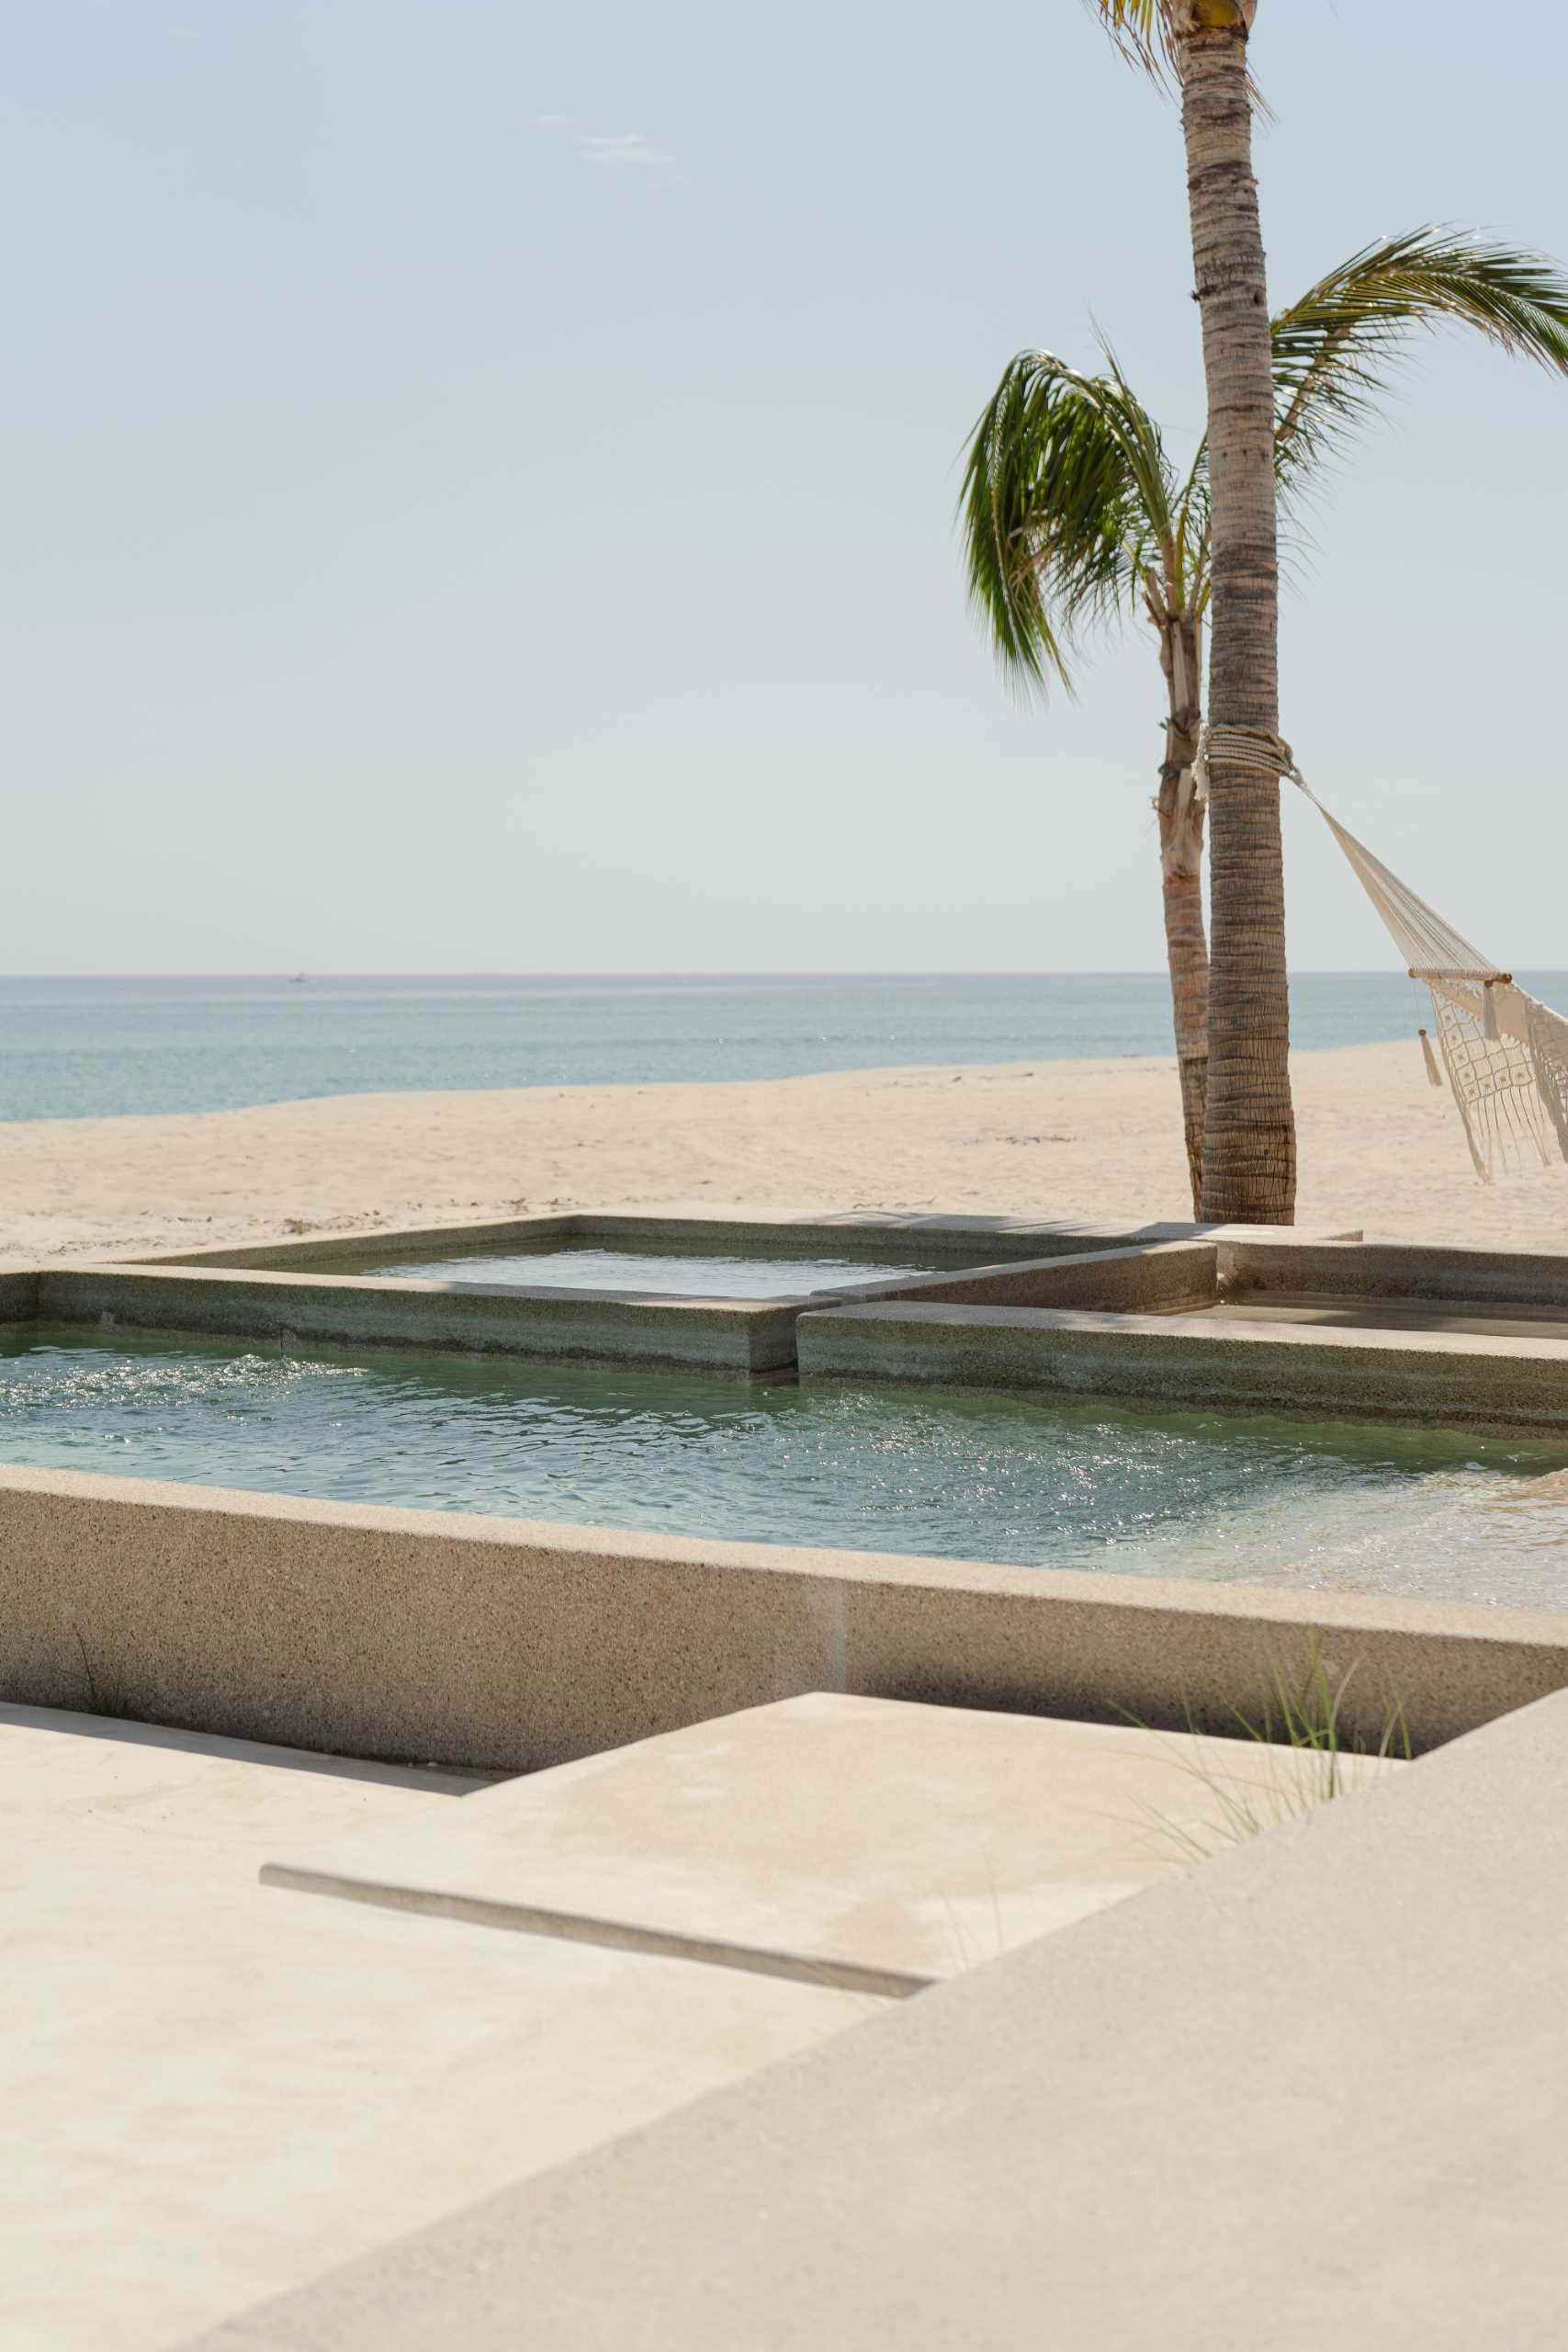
(1250, 1143)
(1181, 816)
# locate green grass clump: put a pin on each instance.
(1306, 1714)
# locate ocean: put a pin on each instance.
(89, 1049)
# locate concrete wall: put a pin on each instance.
(740, 1335)
(935, 1240)
(345, 1253)
(1158, 1276)
(424, 1635)
(737, 1336)
(1452, 1380)
(19, 1297)
(964, 1240)
(1277, 1263)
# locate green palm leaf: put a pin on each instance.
(1336, 350)
(1067, 500)
(1071, 512)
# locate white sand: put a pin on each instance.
(1379, 1148)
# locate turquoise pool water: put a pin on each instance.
(1087, 1485)
(688, 1274)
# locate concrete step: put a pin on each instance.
(876, 1845)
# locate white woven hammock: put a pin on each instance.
(1505, 1052)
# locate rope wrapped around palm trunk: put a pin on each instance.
(1252, 747)
(1505, 1052)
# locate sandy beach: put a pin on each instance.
(1379, 1148)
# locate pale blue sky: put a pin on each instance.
(480, 478)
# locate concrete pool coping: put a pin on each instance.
(1315, 1341)
(1072, 1318)
(1166, 1318)
(817, 1231)
(1010, 1260)
(725, 1335)
(1445, 1378)
(1259, 1262)
(507, 1645)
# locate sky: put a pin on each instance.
(479, 485)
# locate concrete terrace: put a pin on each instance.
(214, 2088)
(1309, 2093)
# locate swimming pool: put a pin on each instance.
(1037, 1482)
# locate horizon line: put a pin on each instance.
(1107, 972)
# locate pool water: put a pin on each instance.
(1059, 1485)
(691, 1277)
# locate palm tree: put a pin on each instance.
(1073, 517)
(1249, 1137)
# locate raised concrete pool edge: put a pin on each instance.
(1050, 1339)
(967, 1238)
(611, 1325)
(1107, 1310)
(507, 1645)
(1450, 1379)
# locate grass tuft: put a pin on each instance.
(106, 1697)
(1306, 1714)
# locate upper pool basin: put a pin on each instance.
(681, 1274)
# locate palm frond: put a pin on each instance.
(1191, 531)
(1145, 32)
(1336, 350)
(1142, 30)
(1067, 504)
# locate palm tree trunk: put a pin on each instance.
(1250, 1143)
(1182, 869)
